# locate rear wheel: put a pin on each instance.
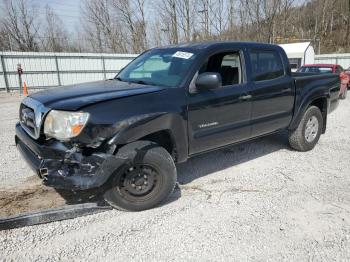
(145, 181)
(309, 130)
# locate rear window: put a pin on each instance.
(316, 69)
(266, 65)
(339, 69)
(294, 63)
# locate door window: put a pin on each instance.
(266, 65)
(227, 64)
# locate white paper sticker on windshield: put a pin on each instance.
(183, 55)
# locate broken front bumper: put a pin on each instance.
(64, 168)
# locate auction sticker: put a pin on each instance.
(183, 55)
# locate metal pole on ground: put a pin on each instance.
(20, 72)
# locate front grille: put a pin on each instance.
(27, 118)
(31, 114)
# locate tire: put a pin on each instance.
(145, 181)
(303, 139)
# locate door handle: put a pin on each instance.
(246, 97)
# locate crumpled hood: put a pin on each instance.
(74, 97)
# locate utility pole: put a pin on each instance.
(206, 12)
(174, 24)
(99, 39)
(205, 20)
(319, 46)
(10, 42)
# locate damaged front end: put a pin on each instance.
(49, 141)
(67, 166)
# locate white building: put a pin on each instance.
(299, 54)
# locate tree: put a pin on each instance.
(186, 19)
(103, 29)
(4, 39)
(132, 15)
(125, 26)
(21, 25)
(55, 37)
(168, 11)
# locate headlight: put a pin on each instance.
(64, 125)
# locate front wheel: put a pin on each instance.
(309, 130)
(147, 179)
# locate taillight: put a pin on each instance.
(344, 81)
(344, 78)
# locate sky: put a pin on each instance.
(68, 10)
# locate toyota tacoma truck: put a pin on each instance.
(127, 134)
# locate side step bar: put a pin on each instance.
(52, 215)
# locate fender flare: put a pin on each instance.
(136, 128)
(305, 105)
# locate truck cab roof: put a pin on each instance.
(219, 44)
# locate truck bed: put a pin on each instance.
(327, 84)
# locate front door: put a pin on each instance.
(220, 116)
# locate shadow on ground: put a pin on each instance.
(34, 196)
(218, 160)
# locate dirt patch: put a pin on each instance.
(28, 197)
(34, 196)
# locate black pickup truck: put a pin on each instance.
(126, 134)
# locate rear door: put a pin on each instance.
(220, 116)
(272, 92)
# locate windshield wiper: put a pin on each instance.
(141, 82)
(119, 79)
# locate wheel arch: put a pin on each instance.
(165, 139)
(320, 102)
(167, 130)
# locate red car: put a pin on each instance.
(330, 68)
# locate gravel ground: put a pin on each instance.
(256, 201)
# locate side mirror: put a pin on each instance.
(208, 80)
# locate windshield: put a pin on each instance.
(316, 69)
(164, 67)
